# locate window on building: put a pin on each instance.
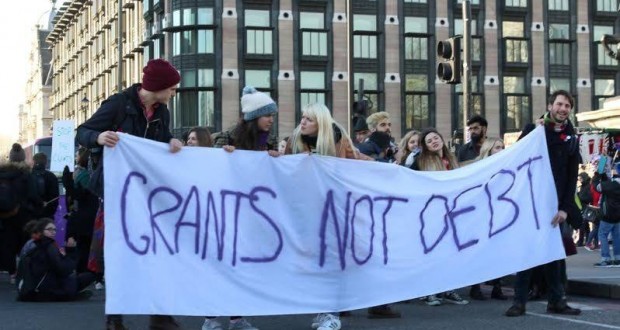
(258, 32)
(477, 101)
(194, 104)
(313, 33)
(606, 5)
(603, 89)
(559, 5)
(516, 3)
(416, 38)
(476, 38)
(364, 36)
(417, 102)
(601, 55)
(515, 43)
(371, 87)
(516, 103)
(559, 84)
(312, 87)
(473, 2)
(415, 1)
(559, 44)
(259, 79)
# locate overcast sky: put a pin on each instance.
(17, 32)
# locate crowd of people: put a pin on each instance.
(141, 110)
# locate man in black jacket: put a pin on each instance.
(564, 157)
(46, 185)
(610, 222)
(477, 127)
(139, 110)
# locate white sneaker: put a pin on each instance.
(432, 300)
(326, 322)
(211, 324)
(99, 286)
(240, 324)
(454, 298)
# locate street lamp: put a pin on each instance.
(85, 103)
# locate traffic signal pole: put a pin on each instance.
(467, 110)
(466, 66)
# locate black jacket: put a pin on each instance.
(122, 112)
(57, 283)
(564, 158)
(467, 152)
(51, 193)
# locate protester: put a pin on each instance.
(318, 133)
(379, 144)
(435, 156)
(252, 132)
(585, 197)
(564, 159)
(610, 220)
(361, 131)
(46, 185)
(199, 137)
(18, 204)
(477, 127)
(81, 216)
(282, 145)
(408, 148)
(139, 110)
(489, 147)
(592, 242)
(50, 271)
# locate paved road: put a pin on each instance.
(598, 314)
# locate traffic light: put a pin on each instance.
(449, 53)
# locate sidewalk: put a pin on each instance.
(587, 280)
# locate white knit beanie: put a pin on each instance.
(256, 104)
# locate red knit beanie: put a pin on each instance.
(159, 75)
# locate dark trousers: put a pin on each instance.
(156, 322)
(83, 252)
(553, 276)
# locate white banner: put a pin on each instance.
(63, 146)
(206, 232)
(591, 145)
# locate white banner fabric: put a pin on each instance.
(206, 232)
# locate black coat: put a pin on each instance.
(564, 158)
(50, 196)
(58, 282)
(122, 112)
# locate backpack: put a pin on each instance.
(39, 183)
(9, 198)
(31, 272)
(585, 195)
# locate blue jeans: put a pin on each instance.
(553, 276)
(593, 236)
(603, 232)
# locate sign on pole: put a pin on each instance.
(63, 146)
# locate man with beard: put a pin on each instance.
(477, 127)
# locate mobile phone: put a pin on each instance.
(601, 164)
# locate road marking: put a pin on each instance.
(577, 305)
(601, 325)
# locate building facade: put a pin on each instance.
(35, 118)
(336, 52)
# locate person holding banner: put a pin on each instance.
(253, 131)
(140, 110)
(435, 156)
(563, 147)
(318, 133)
(199, 137)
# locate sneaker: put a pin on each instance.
(589, 247)
(240, 324)
(454, 298)
(616, 263)
(326, 322)
(84, 295)
(432, 300)
(604, 263)
(99, 286)
(211, 324)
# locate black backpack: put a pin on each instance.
(9, 197)
(39, 182)
(31, 272)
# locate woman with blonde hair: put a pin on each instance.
(408, 148)
(319, 133)
(490, 147)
